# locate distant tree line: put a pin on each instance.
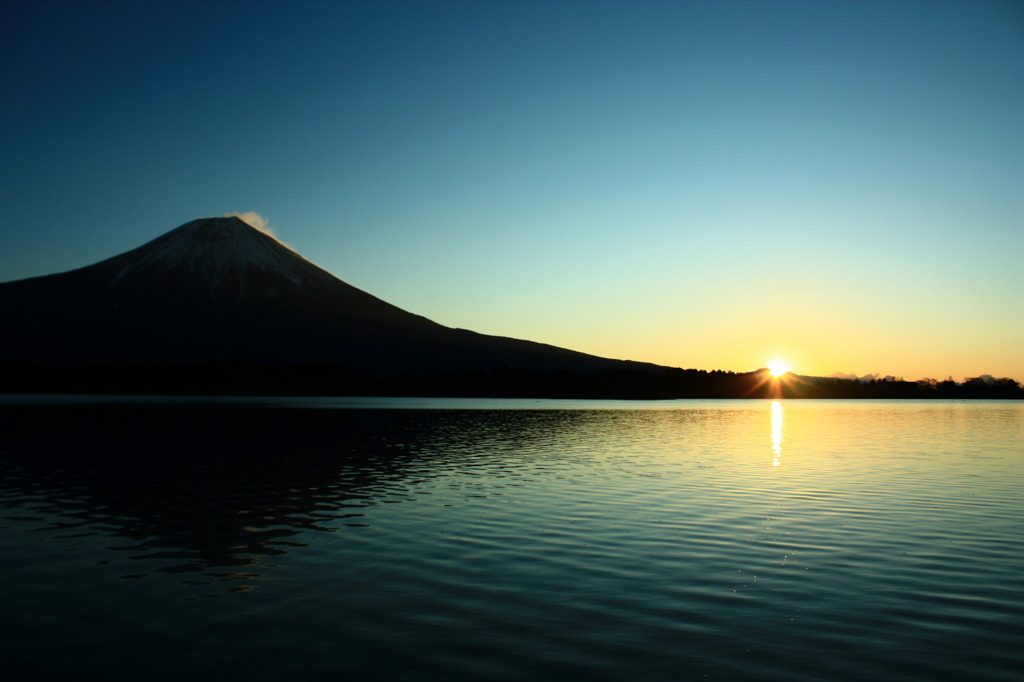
(984, 387)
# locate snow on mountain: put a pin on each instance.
(214, 247)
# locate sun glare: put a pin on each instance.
(778, 367)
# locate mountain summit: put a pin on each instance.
(221, 266)
(218, 297)
(214, 248)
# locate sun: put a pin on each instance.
(778, 367)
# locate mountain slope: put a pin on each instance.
(216, 290)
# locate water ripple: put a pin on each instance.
(728, 540)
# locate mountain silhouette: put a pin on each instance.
(217, 306)
(217, 292)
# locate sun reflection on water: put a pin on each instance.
(776, 433)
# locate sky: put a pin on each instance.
(697, 184)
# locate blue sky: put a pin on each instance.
(696, 184)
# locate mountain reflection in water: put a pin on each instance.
(316, 538)
(189, 489)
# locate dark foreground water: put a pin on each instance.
(291, 540)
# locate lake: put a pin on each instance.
(284, 538)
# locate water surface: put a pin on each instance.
(315, 538)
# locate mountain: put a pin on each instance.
(218, 307)
(217, 297)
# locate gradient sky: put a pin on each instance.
(705, 184)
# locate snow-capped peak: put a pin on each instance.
(214, 246)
